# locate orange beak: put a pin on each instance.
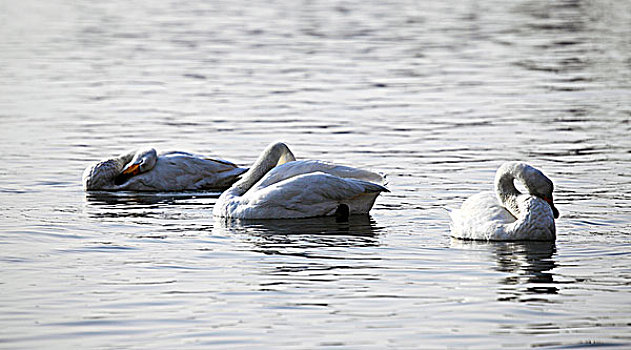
(133, 169)
(555, 212)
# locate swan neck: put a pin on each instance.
(505, 188)
(149, 160)
(271, 157)
(124, 159)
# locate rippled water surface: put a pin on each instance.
(435, 94)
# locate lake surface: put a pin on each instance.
(435, 94)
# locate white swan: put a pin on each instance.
(509, 215)
(145, 170)
(279, 187)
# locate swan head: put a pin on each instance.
(142, 162)
(286, 155)
(541, 186)
(275, 154)
(110, 174)
(537, 184)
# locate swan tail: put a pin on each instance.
(370, 187)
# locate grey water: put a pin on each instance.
(435, 94)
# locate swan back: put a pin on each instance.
(181, 171)
(300, 167)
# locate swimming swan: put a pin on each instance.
(509, 215)
(279, 187)
(145, 170)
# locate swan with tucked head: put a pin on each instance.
(279, 187)
(509, 215)
(146, 170)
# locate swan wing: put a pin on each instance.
(179, 171)
(197, 161)
(308, 195)
(481, 217)
(296, 168)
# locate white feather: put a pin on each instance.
(168, 171)
(517, 217)
(297, 189)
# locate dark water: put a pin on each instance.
(435, 94)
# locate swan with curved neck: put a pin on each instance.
(507, 214)
(146, 170)
(279, 187)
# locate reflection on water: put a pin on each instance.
(529, 266)
(357, 225)
(306, 253)
(273, 236)
(124, 199)
(175, 212)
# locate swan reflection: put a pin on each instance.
(309, 252)
(268, 235)
(529, 265)
(171, 210)
(133, 197)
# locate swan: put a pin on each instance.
(146, 170)
(278, 186)
(509, 215)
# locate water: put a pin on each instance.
(434, 94)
